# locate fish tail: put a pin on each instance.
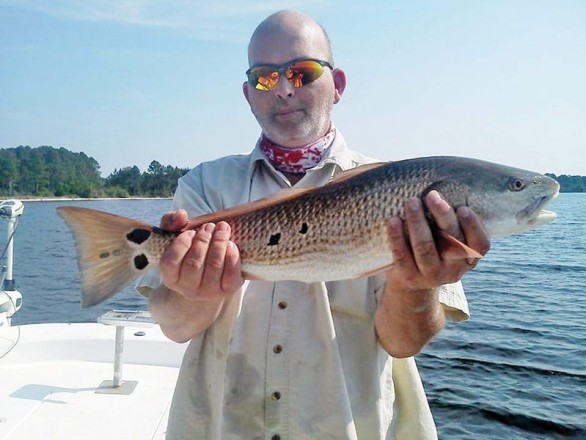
(109, 254)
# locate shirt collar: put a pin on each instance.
(338, 153)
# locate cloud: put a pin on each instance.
(226, 21)
(146, 13)
(160, 13)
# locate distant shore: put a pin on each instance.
(81, 199)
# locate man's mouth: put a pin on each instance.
(286, 111)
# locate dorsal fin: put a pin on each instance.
(274, 199)
(348, 174)
(265, 202)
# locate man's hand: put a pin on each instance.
(417, 261)
(200, 269)
(410, 313)
(200, 264)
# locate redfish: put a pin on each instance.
(334, 232)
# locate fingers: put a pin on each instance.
(174, 220)
(172, 258)
(194, 263)
(474, 232)
(464, 224)
(417, 260)
(422, 242)
(402, 256)
(213, 261)
(203, 262)
(232, 277)
(443, 215)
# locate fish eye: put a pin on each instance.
(516, 184)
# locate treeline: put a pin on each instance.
(56, 172)
(570, 183)
(157, 181)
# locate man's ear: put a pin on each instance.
(339, 84)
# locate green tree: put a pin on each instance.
(129, 178)
(8, 172)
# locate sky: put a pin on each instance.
(128, 81)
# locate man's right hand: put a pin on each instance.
(200, 264)
(200, 269)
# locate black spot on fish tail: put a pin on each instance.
(138, 235)
(141, 261)
(304, 228)
(275, 239)
(104, 255)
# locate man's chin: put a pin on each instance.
(290, 136)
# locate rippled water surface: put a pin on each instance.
(517, 369)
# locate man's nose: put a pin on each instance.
(285, 89)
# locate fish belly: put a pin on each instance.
(333, 264)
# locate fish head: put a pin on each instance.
(508, 200)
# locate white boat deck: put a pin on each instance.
(50, 382)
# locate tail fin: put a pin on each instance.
(104, 253)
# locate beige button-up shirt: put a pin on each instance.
(289, 360)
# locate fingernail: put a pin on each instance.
(190, 234)
(170, 216)
(395, 223)
(464, 212)
(434, 196)
(223, 227)
(413, 204)
(435, 199)
(209, 227)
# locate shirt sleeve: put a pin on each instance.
(454, 302)
(451, 297)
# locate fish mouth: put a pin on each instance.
(534, 214)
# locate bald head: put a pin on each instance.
(293, 114)
(288, 32)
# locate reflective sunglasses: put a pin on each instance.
(298, 72)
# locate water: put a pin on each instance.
(516, 370)
(45, 269)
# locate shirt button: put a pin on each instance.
(278, 348)
(283, 305)
(276, 395)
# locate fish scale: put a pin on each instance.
(352, 215)
(334, 232)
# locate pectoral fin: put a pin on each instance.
(451, 248)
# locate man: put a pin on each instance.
(288, 359)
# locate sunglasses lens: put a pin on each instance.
(304, 72)
(266, 78)
(263, 78)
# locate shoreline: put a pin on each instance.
(82, 199)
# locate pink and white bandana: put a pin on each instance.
(299, 159)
